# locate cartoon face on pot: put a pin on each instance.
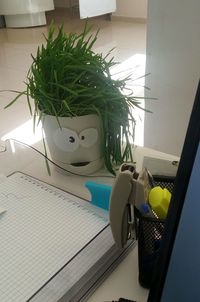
(82, 147)
(77, 142)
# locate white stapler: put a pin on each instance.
(130, 188)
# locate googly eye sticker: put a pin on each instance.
(88, 137)
(66, 139)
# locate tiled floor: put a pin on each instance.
(16, 46)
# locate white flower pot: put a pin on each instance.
(75, 145)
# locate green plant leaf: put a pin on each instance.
(16, 98)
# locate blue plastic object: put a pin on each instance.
(100, 194)
(144, 208)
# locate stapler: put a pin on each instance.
(130, 188)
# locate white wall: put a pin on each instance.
(131, 9)
(173, 58)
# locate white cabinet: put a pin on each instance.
(25, 13)
(91, 8)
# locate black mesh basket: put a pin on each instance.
(149, 232)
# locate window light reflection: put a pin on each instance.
(25, 133)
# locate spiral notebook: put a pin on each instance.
(50, 240)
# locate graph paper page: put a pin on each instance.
(42, 230)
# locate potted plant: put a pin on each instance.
(70, 86)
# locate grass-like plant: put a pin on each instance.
(67, 79)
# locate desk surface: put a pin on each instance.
(123, 282)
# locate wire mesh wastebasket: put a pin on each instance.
(149, 232)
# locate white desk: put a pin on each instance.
(123, 282)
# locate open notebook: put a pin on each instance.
(54, 245)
